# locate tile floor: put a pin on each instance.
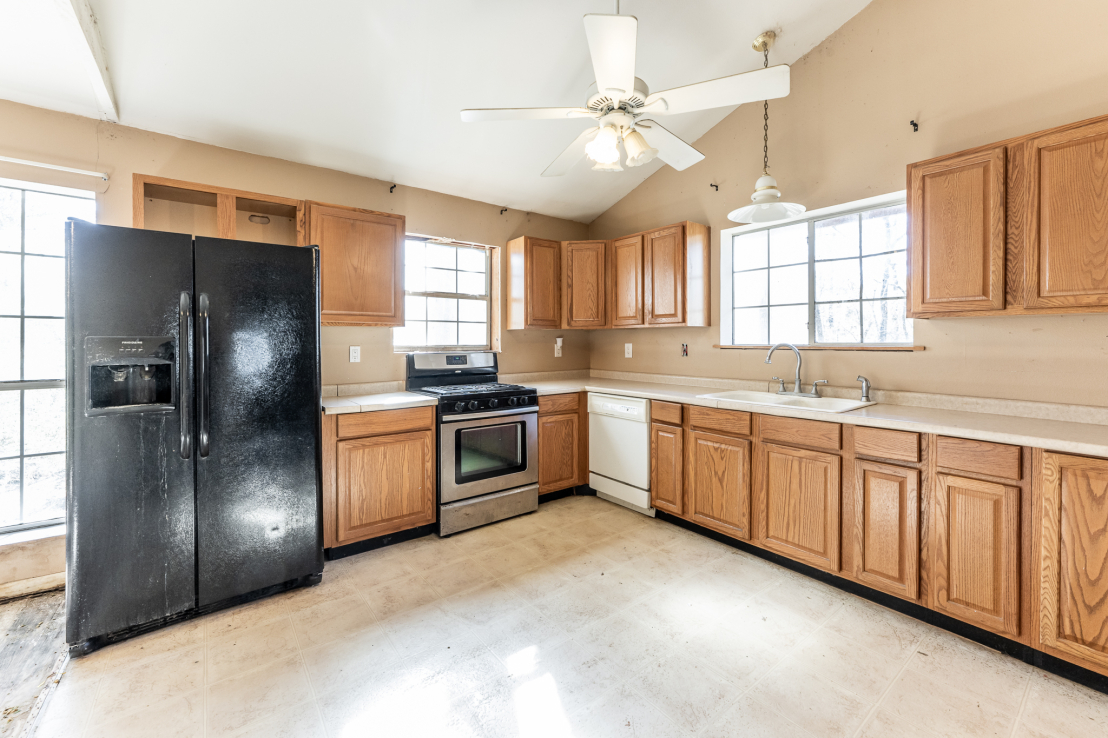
(582, 619)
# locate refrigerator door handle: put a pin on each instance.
(202, 374)
(184, 402)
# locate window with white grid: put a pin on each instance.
(835, 280)
(446, 297)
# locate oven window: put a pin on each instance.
(489, 451)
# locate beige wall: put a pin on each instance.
(970, 73)
(42, 135)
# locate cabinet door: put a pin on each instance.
(385, 484)
(361, 265)
(975, 550)
(886, 528)
(543, 293)
(1059, 216)
(626, 281)
(957, 232)
(719, 483)
(585, 298)
(558, 444)
(800, 504)
(664, 270)
(666, 461)
(1073, 571)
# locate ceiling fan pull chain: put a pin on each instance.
(765, 121)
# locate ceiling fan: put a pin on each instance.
(624, 109)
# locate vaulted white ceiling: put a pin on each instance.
(374, 87)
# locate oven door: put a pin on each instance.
(487, 452)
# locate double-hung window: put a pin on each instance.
(834, 278)
(32, 350)
(446, 297)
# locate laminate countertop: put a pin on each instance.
(372, 403)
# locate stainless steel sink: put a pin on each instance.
(821, 404)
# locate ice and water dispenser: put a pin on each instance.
(130, 374)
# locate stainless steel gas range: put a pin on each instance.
(488, 439)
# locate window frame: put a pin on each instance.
(726, 280)
(20, 385)
(492, 304)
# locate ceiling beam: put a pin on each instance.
(81, 24)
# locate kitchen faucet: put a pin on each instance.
(798, 385)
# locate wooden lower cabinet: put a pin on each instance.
(799, 504)
(385, 484)
(975, 542)
(667, 458)
(718, 483)
(1072, 535)
(559, 441)
(885, 535)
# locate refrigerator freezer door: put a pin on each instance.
(258, 487)
(130, 544)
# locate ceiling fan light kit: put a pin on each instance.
(604, 149)
(638, 150)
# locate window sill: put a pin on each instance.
(56, 530)
(818, 347)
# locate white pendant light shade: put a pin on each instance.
(766, 205)
(638, 150)
(604, 149)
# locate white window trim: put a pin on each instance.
(726, 264)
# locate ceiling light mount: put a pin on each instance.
(764, 42)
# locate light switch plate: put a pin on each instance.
(355, 354)
(627, 351)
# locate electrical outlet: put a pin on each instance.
(684, 349)
(557, 351)
(627, 351)
(355, 354)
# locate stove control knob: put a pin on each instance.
(494, 402)
(473, 404)
(459, 406)
(512, 401)
(524, 400)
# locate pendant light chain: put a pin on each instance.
(765, 121)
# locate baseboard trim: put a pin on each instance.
(370, 544)
(34, 585)
(1026, 654)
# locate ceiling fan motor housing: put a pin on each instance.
(602, 102)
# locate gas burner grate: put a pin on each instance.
(470, 389)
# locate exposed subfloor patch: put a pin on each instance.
(582, 619)
(32, 646)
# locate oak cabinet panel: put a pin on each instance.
(534, 283)
(886, 444)
(1073, 558)
(583, 264)
(558, 445)
(734, 422)
(361, 255)
(666, 461)
(718, 483)
(975, 552)
(385, 484)
(555, 404)
(800, 432)
(800, 503)
(979, 457)
(957, 217)
(666, 412)
(627, 281)
(886, 528)
(664, 276)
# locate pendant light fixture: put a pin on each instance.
(766, 204)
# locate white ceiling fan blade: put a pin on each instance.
(489, 114)
(612, 41)
(671, 150)
(761, 84)
(573, 154)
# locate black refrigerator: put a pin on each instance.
(193, 467)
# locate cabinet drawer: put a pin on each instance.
(559, 403)
(725, 421)
(801, 432)
(886, 444)
(665, 412)
(979, 457)
(381, 422)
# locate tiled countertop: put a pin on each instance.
(370, 403)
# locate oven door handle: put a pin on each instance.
(490, 414)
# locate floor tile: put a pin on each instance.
(812, 600)
(329, 621)
(972, 668)
(520, 636)
(416, 630)
(377, 567)
(246, 616)
(625, 713)
(507, 560)
(551, 544)
(883, 724)
(691, 693)
(457, 576)
(573, 607)
(1058, 708)
(484, 604)
(248, 649)
(145, 684)
(879, 629)
(624, 642)
(334, 664)
(400, 595)
(269, 692)
(177, 717)
(818, 706)
(842, 662)
(578, 675)
(158, 643)
(918, 698)
(752, 718)
(303, 722)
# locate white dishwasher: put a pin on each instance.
(619, 450)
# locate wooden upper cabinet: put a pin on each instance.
(1060, 217)
(886, 528)
(585, 300)
(799, 502)
(718, 483)
(1073, 559)
(957, 233)
(974, 549)
(534, 283)
(667, 457)
(626, 282)
(558, 445)
(664, 276)
(361, 263)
